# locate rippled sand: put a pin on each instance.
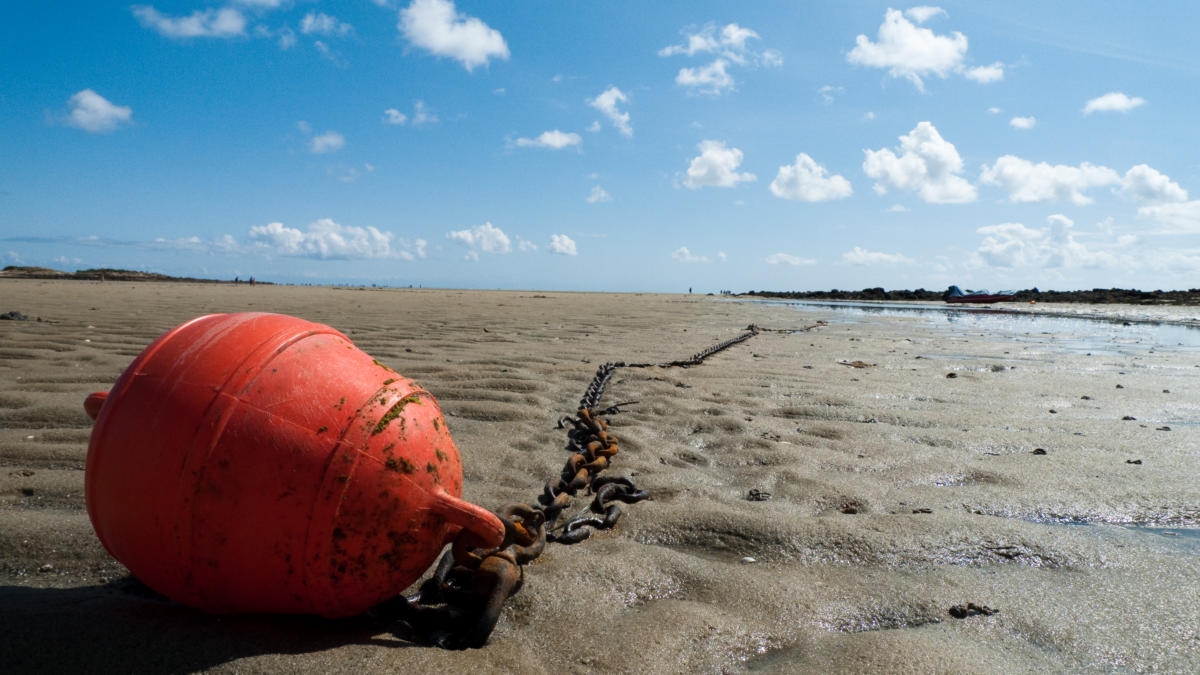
(897, 491)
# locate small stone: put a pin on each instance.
(1133, 461)
(1166, 391)
(922, 510)
(758, 495)
(1053, 411)
(46, 569)
(1128, 418)
(1085, 398)
(748, 560)
(951, 376)
(1120, 386)
(1163, 428)
(1039, 451)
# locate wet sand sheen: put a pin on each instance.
(896, 492)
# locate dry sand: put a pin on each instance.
(847, 574)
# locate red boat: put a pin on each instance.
(956, 294)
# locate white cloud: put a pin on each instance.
(721, 256)
(319, 23)
(1023, 122)
(1146, 184)
(327, 240)
(908, 51)
(553, 139)
(683, 255)
(926, 164)
(594, 126)
(985, 74)
(526, 245)
(422, 115)
(304, 127)
(330, 141)
(394, 116)
(1029, 182)
(828, 91)
(1055, 246)
(598, 194)
(869, 116)
(485, 238)
(923, 13)
(994, 110)
(287, 38)
(94, 113)
(807, 181)
(436, 26)
(562, 245)
(262, 4)
(1113, 101)
(898, 208)
(715, 166)
(1178, 217)
(215, 23)
(729, 44)
(711, 79)
(788, 259)
(607, 102)
(860, 256)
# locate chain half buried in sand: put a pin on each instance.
(459, 605)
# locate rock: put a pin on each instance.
(1163, 428)
(951, 376)
(1039, 451)
(1133, 461)
(971, 609)
(758, 495)
(13, 316)
(1128, 418)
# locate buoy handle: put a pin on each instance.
(487, 528)
(93, 403)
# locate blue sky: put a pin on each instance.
(623, 146)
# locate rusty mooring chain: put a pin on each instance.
(459, 605)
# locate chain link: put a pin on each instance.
(458, 607)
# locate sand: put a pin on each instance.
(897, 491)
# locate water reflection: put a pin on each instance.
(1081, 334)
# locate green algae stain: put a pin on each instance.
(395, 411)
(400, 464)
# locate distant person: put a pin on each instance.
(689, 290)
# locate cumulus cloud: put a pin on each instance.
(828, 91)
(553, 139)
(94, 113)
(683, 255)
(1114, 101)
(1175, 218)
(319, 23)
(327, 240)
(729, 43)
(562, 245)
(422, 115)
(607, 102)
(788, 259)
(437, 27)
(330, 141)
(1029, 182)
(807, 181)
(394, 116)
(1146, 184)
(860, 256)
(485, 238)
(914, 52)
(598, 194)
(1054, 246)
(715, 166)
(985, 74)
(215, 23)
(925, 163)
(909, 51)
(1023, 122)
(711, 79)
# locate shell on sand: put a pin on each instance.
(885, 495)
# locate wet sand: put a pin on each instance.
(897, 490)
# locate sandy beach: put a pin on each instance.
(897, 490)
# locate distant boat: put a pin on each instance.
(956, 294)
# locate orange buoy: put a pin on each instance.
(262, 463)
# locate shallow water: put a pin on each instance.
(1096, 335)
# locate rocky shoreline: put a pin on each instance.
(1107, 296)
